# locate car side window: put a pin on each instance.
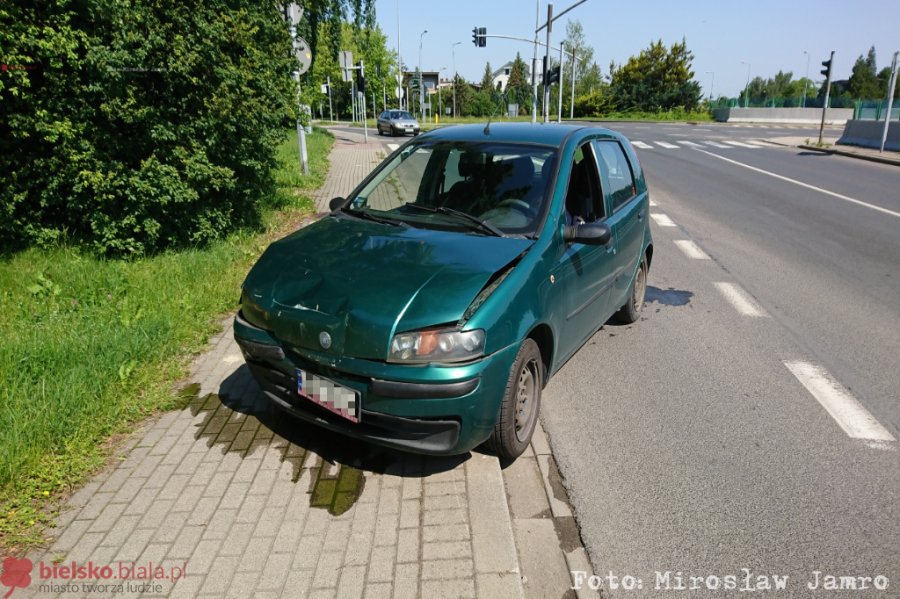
(617, 172)
(584, 198)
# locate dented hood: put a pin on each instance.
(362, 282)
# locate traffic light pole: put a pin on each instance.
(559, 102)
(827, 72)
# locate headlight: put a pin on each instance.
(437, 345)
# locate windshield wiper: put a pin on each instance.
(369, 216)
(474, 220)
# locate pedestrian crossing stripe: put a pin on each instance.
(393, 147)
(642, 145)
(665, 145)
(739, 144)
(716, 144)
(726, 144)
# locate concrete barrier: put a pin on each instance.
(868, 134)
(798, 116)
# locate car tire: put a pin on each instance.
(380, 132)
(631, 311)
(520, 405)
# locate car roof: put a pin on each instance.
(541, 133)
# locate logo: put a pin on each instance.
(16, 574)
(324, 340)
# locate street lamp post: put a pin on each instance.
(453, 52)
(421, 79)
(805, 81)
(399, 64)
(747, 89)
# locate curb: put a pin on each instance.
(870, 157)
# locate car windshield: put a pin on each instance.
(401, 115)
(498, 187)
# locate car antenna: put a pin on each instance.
(487, 128)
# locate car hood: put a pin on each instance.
(405, 122)
(362, 282)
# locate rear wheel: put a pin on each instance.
(521, 404)
(631, 311)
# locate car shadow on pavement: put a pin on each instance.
(240, 400)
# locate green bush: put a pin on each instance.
(135, 127)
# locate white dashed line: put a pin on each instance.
(691, 249)
(685, 142)
(641, 145)
(740, 144)
(856, 421)
(665, 145)
(652, 203)
(393, 147)
(806, 185)
(663, 220)
(740, 300)
(716, 144)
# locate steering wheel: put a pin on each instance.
(519, 205)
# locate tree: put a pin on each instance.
(863, 83)
(464, 96)
(518, 88)
(657, 79)
(884, 79)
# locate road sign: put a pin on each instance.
(346, 60)
(303, 54)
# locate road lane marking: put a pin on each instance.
(802, 184)
(740, 300)
(856, 421)
(393, 147)
(642, 145)
(665, 145)
(663, 220)
(740, 144)
(685, 142)
(691, 249)
(716, 144)
(653, 203)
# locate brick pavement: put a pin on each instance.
(252, 503)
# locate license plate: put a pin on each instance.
(333, 397)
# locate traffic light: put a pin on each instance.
(553, 75)
(478, 38)
(827, 70)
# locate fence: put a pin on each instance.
(875, 110)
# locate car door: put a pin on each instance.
(628, 213)
(585, 272)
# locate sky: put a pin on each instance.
(724, 36)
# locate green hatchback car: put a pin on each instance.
(427, 311)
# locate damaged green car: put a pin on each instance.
(427, 311)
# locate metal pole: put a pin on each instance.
(421, 78)
(572, 103)
(330, 109)
(399, 63)
(890, 101)
(546, 107)
(537, 19)
(362, 101)
(453, 52)
(559, 100)
(827, 95)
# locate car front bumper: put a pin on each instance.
(432, 409)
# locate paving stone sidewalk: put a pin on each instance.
(247, 502)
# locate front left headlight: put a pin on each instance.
(436, 345)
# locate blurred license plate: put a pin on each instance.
(333, 397)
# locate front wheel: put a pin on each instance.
(521, 404)
(631, 311)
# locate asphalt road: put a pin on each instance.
(691, 442)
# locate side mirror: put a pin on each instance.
(588, 233)
(336, 203)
